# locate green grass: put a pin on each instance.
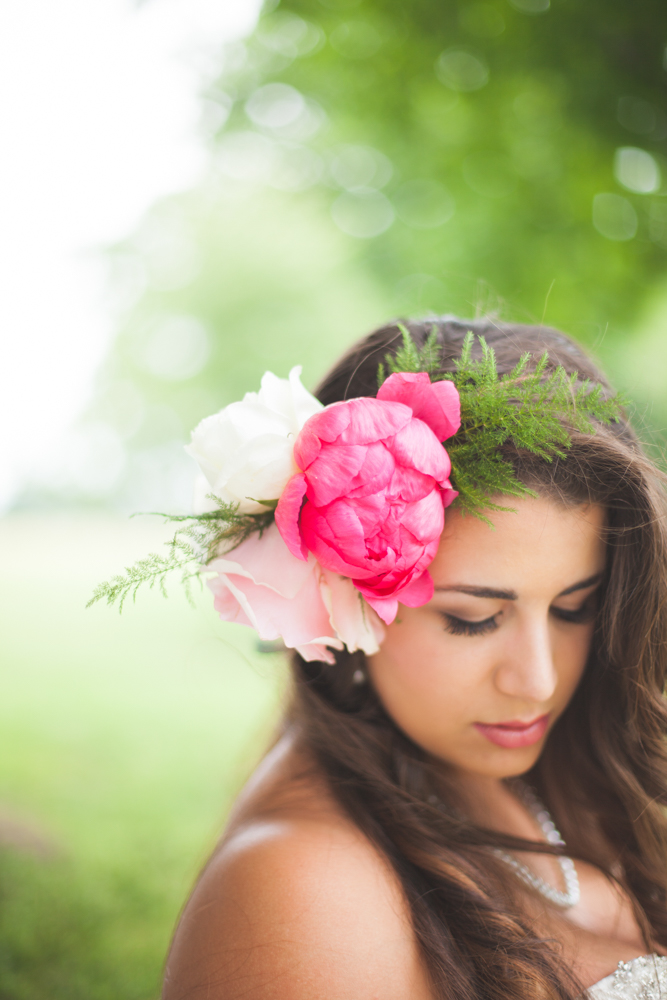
(123, 740)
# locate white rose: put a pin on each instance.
(246, 450)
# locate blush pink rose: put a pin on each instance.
(369, 501)
(313, 610)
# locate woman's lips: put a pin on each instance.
(514, 734)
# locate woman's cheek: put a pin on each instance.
(573, 651)
(423, 679)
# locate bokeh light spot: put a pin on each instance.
(360, 167)
(460, 70)
(614, 217)
(289, 35)
(275, 105)
(363, 214)
(531, 6)
(636, 170)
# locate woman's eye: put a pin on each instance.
(460, 626)
(580, 616)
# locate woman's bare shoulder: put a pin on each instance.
(296, 904)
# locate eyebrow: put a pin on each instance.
(511, 595)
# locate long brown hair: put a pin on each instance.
(603, 771)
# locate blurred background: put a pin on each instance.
(191, 192)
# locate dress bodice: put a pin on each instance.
(644, 978)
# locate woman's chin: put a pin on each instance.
(498, 762)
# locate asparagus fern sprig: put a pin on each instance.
(199, 540)
(531, 408)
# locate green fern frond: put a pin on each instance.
(533, 410)
(411, 358)
(202, 538)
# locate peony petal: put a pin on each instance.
(329, 476)
(417, 447)
(449, 495)
(287, 515)
(436, 403)
(376, 472)
(418, 592)
(425, 518)
(373, 420)
(330, 423)
(330, 531)
(410, 485)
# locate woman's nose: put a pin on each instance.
(527, 669)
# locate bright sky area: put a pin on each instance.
(99, 119)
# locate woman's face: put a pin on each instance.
(478, 676)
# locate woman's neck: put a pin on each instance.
(492, 803)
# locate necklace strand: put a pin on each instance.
(541, 814)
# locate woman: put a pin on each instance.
(393, 844)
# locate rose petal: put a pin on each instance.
(354, 622)
(311, 652)
(287, 515)
(436, 403)
(279, 595)
(266, 560)
(288, 397)
(385, 607)
(259, 472)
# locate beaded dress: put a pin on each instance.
(644, 978)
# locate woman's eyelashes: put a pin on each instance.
(461, 626)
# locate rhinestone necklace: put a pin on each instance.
(540, 812)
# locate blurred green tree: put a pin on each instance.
(368, 161)
(519, 144)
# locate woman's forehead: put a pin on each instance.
(542, 543)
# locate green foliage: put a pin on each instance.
(501, 125)
(411, 358)
(202, 539)
(533, 410)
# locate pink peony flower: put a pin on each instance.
(263, 585)
(375, 479)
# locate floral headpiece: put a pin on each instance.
(313, 522)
